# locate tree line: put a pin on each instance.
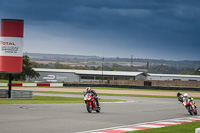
(159, 69)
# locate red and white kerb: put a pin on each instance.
(11, 45)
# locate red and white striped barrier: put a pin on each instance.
(148, 125)
(34, 84)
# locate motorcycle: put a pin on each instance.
(91, 103)
(180, 97)
(190, 107)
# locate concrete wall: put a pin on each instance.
(190, 84)
(163, 78)
(127, 82)
(193, 84)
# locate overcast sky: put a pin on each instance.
(154, 29)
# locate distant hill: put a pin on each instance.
(96, 60)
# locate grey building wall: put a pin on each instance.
(57, 77)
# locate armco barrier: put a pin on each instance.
(21, 94)
(3, 93)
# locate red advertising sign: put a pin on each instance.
(11, 45)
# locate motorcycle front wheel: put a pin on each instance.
(89, 108)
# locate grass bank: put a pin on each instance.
(50, 99)
(181, 128)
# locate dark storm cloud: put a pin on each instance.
(156, 24)
(75, 10)
(105, 12)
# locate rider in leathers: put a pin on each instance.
(94, 94)
(191, 99)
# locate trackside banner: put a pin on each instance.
(11, 45)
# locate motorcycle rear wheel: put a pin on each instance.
(89, 108)
(195, 113)
(98, 109)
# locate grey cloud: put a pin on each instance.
(141, 23)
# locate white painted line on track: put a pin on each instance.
(173, 123)
(121, 102)
(126, 129)
(152, 126)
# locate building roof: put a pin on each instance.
(90, 72)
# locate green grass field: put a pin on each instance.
(50, 99)
(181, 128)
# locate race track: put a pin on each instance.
(71, 118)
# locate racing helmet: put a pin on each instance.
(88, 89)
(185, 95)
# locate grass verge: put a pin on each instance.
(13, 81)
(107, 94)
(130, 89)
(107, 88)
(181, 128)
(50, 99)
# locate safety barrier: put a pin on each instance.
(3, 93)
(34, 84)
(3, 84)
(22, 94)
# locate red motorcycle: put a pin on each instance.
(190, 107)
(91, 103)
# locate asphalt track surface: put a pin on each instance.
(73, 117)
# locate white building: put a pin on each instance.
(173, 77)
(69, 75)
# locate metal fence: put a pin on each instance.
(21, 94)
